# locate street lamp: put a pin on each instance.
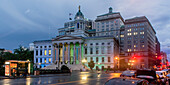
(84, 61)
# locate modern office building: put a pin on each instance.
(139, 41)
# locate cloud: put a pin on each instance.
(27, 11)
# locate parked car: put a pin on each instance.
(126, 81)
(168, 77)
(162, 75)
(150, 76)
(128, 73)
(167, 71)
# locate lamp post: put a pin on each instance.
(84, 61)
(117, 62)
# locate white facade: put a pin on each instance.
(42, 53)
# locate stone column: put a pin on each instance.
(69, 53)
(54, 56)
(63, 52)
(74, 53)
(80, 53)
(56, 53)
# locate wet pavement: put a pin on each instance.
(76, 78)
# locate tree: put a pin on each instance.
(123, 64)
(91, 64)
(23, 54)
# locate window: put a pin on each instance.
(36, 60)
(40, 46)
(91, 43)
(121, 35)
(97, 43)
(91, 59)
(108, 43)
(102, 49)
(36, 52)
(40, 60)
(49, 52)
(45, 46)
(108, 59)
(129, 42)
(141, 32)
(50, 46)
(45, 60)
(129, 30)
(102, 43)
(85, 50)
(49, 60)
(97, 59)
(97, 50)
(40, 52)
(45, 52)
(129, 50)
(129, 34)
(91, 50)
(135, 33)
(36, 46)
(109, 50)
(103, 59)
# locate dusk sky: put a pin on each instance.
(24, 21)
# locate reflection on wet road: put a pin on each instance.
(77, 78)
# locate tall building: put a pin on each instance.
(139, 41)
(158, 55)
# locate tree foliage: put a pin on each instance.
(91, 64)
(19, 54)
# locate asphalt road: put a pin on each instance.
(77, 78)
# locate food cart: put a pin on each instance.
(17, 68)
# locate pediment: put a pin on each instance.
(67, 38)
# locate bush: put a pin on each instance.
(2, 71)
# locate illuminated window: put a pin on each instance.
(141, 32)
(129, 34)
(85, 44)
(135, 33)
(45, 52)
(45, 61)
(134, 45)
(129, 30)
(49, 60)
(121, 35)
(49, 52)
(143, 45)
(129, 50)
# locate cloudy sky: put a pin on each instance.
(23, 21)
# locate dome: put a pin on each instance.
(79, 15)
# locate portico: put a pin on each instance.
(67, 50)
